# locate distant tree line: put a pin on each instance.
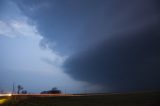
(21, 90)
(52, 91)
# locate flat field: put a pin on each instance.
(130, 99)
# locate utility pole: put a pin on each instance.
(65, 91)
(13, 88)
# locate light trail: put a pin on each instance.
(4, 98)
(44, 95)
(4, 95)
(2, 101)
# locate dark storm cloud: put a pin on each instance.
(71, 23)
(112, 43)
(128, 64)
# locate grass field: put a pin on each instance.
(132, 99)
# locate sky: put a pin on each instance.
(80, 45)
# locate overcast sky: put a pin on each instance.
(79, 45)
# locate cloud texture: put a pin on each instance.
(111, 43)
